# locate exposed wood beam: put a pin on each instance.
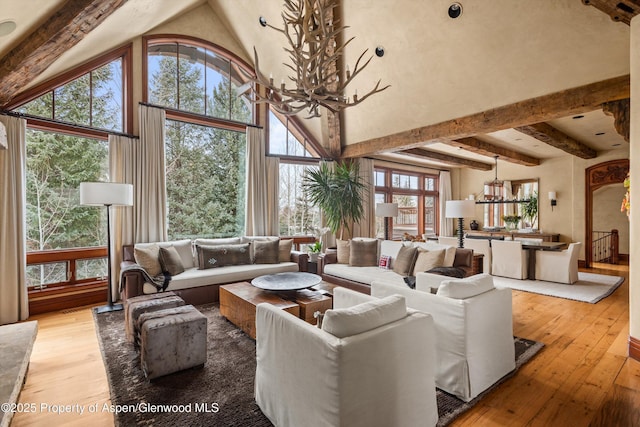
(485, 149)
(446, 158)
(63, 30)
(618, 10)
(552, 136)
(620, 110)
(547, 107)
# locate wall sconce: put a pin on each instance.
(552, 197)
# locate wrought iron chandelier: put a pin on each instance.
(493, 190)
(312, 34)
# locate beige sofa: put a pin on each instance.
(360, 278)
(200, 286)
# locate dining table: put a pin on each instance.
(533, 246)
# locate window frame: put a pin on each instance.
(389, 190)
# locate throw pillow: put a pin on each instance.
(343, 251)
(170, 260)
(426, 260)
(448, 271)
(147, 257)
(222, 255)
(363, 253)
(346, 322)
(403, 264)
(466, 288)
(385, 262)
(266, 252)
(284, 250)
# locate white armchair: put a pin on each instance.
(561, 267)
(508, 259)
(374, 371)
(474, 335)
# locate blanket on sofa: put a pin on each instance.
(161, 281)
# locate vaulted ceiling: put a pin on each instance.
(526, 81)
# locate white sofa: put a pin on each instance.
(197, 286)
(374, 368)
(360, 278)
(474, 335)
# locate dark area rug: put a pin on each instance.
(220, 393)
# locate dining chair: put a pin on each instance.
(558, 266)
(508, 259)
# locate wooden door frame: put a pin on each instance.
(597, 176)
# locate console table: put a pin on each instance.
(546, 237)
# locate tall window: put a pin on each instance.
(297, 153)
(205, 157)
(61, 153)
(417, 198)
(205, 180)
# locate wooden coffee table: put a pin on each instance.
(238, 303)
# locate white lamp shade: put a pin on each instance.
(106, 193)
(387, 209)
(552, 195)
(460, 208)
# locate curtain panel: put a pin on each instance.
(366, 227)
(14, 298)
(149, 180)
(444, 194)
(262, 187)
(121, 169)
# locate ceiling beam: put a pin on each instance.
(446, 158)
(567, 102)
(553, 137)
(618, 10)
(63, 30)
(486, 149)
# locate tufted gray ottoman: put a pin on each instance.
(134, 307)
(171, 340)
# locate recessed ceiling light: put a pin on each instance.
(7, 27)
(577, 117)
(263, 21)
(599, 133)
(518, 139)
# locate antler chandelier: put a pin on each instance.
(312, 34)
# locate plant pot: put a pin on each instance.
(313, 256)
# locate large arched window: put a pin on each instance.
(197, 77)
(208, 106)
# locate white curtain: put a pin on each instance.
(272, 165)
(366, 227)
(263, 176)
(509, 208)
(444, 193)
(150, 190)
(121, 149)
(14, 300)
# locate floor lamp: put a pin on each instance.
(386, 211)
(107, 194)
(460, 209)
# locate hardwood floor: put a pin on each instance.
(581, 378)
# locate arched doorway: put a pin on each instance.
(598, 176)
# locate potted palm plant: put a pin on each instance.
(338, 191)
